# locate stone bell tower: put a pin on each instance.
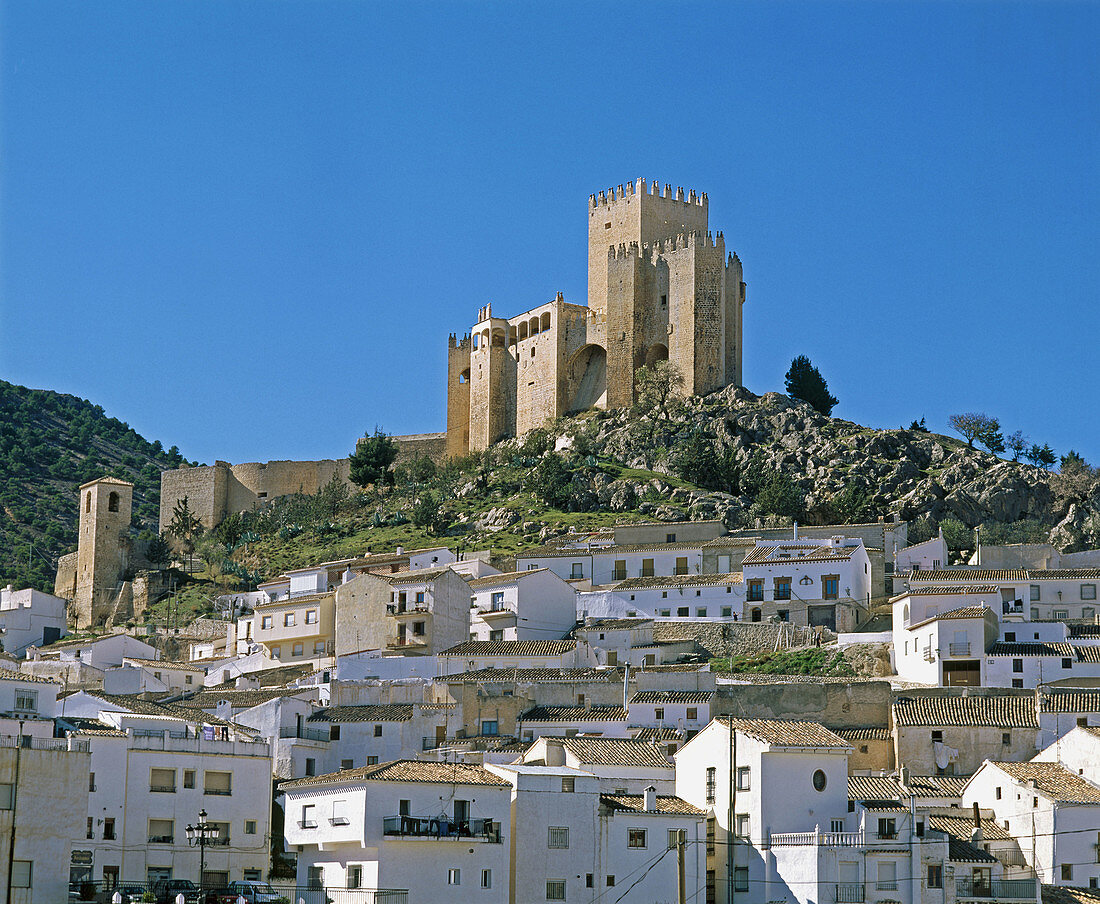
(103, 550)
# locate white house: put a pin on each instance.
(688, 712)
(691, 597)
(441, 831)
(1052, 594)
(28, 617)
(931, 555)
(25, 697)
(604, 564)
(623, 765)
(521, 605)
(603, 721)
(369, 734)
(506, 654)
(137, 676)
(1061, 709)
(104, 652)
(947, 649)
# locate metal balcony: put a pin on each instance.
(442, 828)
(959, 649)
(995, 889)
(850, 893)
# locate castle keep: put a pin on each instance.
(660, 287)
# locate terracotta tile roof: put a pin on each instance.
(616, 752)
(209, 699)
(1069, 700)
(731, 542)
(384, 712)
(658, 734)
(419, 576)
(277, 676)
(952, 590)
(164, 664)
(574, 714)
(509, 577)
(1063, 574)
(979, 710)
(1087, 654)
(511, 648)
(961, 826)
(558, 552)
(634, 803)
(961, 612)
(405, 771)
(1032, 648)
(680, 580)
(864, 733)
(883, 804)
(959, 851)
(672, 697)
(773, 555)
(616, 624)
(984, 575)
(787, 733)
(534, 675)
(887, 787)
(1084, 630)
(12, 675)
(1054, 781)
(1070, 894)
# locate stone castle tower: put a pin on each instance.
(660, 287)
(103, 550)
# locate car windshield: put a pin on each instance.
(266, 889)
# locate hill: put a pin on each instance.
(50, 443)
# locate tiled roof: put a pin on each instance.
(984, 575)
(245, 699)
(959, 851)
(1070, 894)
(384, 712)
(616, 752)
(511, 648)
(1069, 700)
(952, 590)
(773, 555)
(658, 734)
(1031, 648)
(1087, 654)
(680, 580)
(509, 577)
(534, 675)
(164, 664)
(561, 552)
(617, 624)
(1053, 780)
(574, 714)
(788, 733)
(883, 804)
(1063, 574)
(12, 675)
(961, 612)
(672, 697)
(418, 576)
(278, 676)
(882, 787)
(962, 826)
(635, 803)
(979, 710)
(1084, 630)
(405, 771)
(867, 733)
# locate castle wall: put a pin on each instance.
(458, 396)
(421, 445)
(735, 298)
(204, 487)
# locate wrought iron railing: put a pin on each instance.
(442, 827)
(995, 889)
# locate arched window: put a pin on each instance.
(464, 377)
(88, 502)
(545, 325)
(112, 502)
(523, 330)
(534, 325)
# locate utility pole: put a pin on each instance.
(681, 870)
(731, 818)
(14, 797)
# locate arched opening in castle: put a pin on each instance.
(661, 287)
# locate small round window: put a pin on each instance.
(820, 780)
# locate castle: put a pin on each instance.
(660, 287)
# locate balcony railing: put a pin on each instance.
(339, 821)
(886, 885)
(959, 649)
(160, 839)
(995, 889)
(929, 654)
(618, 575)
(850, 893)
(442, 827)
(307, 823)
(162, 789)
(432, 743)
(406, 608)
(306, 734)
(823, 839)
(219, 792)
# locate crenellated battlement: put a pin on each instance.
(653, 190)
(696, 239)
(454, 342)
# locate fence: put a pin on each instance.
(135, 892)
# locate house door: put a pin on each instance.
(49, 635)
(822, 617)
(462, 816)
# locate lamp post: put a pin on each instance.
(200, 835)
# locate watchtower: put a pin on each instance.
(103, 550)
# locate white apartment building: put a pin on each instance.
(441, 831)
(947, 649)
(624, 766)
(29, 617)
(43, 798)
(522, 605)
(149, 780)
(369, 734)
(599, 565)
(137, 676)
(692, 597)
(1053, 594)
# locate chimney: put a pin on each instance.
(976, 832)
(796, 530)
(904, 778)
(649, 799)
(400, 550)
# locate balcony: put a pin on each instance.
(306, 734)
(497, 612)
(995, 889)
(339, 821)
(408, 641)
(886, 885)
(822, 839)
(161, 839)
(407, 610)
(162, 789)
(1016, 607)
(307, 823)
(929, 654)
(218, 792)
(959, 649)
(850, 893)
(441, 828)
(619, 574)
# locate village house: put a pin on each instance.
(602, 721)
(522, 605)
(158, 676)
(706, 597)
(29, 617)
(506, 654)
(623, 766)
(1063, 594)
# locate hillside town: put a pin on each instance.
(565, 721)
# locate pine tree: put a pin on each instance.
(804, 381)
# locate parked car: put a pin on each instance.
(252, 892)
(166, 891)
(132, 893)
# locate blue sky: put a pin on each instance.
(247, 228)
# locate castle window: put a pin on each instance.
(532, 351)
(88, 502)
(545, 325)
(112, 502)
(664, 301)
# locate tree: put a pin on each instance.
(974, 425)
(186, 527)
(1017, 444)
(331, 497)
(991, 437)
(918, 426)
(956, 534)
(429, 514)
(779, 495)
(1040, 456)
(158, 551)
(655, 385)
(552, 482)
(1073, 461)
(699, 462)
(371, 460)
(804, 381)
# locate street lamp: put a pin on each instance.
(200, 835)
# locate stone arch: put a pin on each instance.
(112, 502)
(484, 338)
(544, 324)
(586, 379)
(523, 330)
(655, 353)
(464, 377)
(499, 337)
(534, 323)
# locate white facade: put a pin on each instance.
(28, 617)
(931, 555)
(945, 650)
(100, 653)
(525, 605)
(26, 697)
(136, 676)
(608, 565)
(692, 598)
(1039, 594)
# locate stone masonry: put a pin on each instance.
(660, 287)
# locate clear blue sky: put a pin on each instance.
(247, 228)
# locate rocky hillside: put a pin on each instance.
(51, 443)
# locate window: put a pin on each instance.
(1034, 593)
(619, 572)
(311, 766)
(711, 783)
(486, 878)
(250, 826)
(454, 877)
(1017, 682)
(1010, 636)
(647, 568)
(162, 780)
(161, 831)
(756, 591)
(700, 611)
(112, 502)
(784, 615)
(997, 793)
(189, 778)
(288, 620)
(314, 876)
(740, 878)
(489, 728)
(820, 780)
(665, 613)
(378, 731)
(782, 588)
(298, 650)
(372, 761)
(836, 826)
(692, 713)
(937, 735)
(674, 838)
(830, 587)
(577, 570)
(355, 876)
(711, 825)
(555, 889)
(659, 712)
(318, 647)
(493, 635)
(743, 778)
(1017, 665)
(1067, 872)
(1067, 663)
(266, 622)
(635, 838)
(589, 880)
(21, 873)
(90, 830)
(91, 781)
(669, 538)
(26, 702)
(311, 619)
(347, 764)
(1006, 738)
(218, 783)
(742, 825)
(1061, 614)
(681, 565)
(568, 784)
(1088, 591)
(188, 679)
(109, 829)
(557, 837)
(887, 827)
(727, 611)
(887, 875)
